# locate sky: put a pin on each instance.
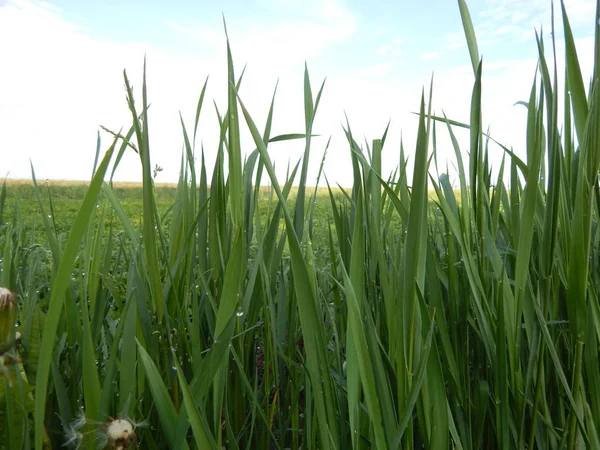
(63, 62)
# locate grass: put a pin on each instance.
(216, 314)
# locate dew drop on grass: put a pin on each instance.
(239, 312)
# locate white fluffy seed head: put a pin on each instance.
(119, 429)
(6, 296)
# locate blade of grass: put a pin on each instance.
(61, 281)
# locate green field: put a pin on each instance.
(399, 313)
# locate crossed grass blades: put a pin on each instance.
(389, 315)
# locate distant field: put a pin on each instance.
(64, 198)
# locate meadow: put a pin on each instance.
(400, 313)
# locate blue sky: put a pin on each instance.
(66, 57)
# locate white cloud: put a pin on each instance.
(384, 49)
(431, 55)
(375, 70)
(61, 84)
(453, 41)
(532, 12)
(54, 89)
(500, 24)
(516, 20)
(305, 30)
(393, 48)
(506, 29)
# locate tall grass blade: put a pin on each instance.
(60, 285)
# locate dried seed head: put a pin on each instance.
(73, 433)
(121, 434)
(8, 318)
(6, 296)
(117, 434)
(119, 428)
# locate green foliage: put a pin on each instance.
(220, 314)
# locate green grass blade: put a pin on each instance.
(164, 405)
(469, 34)
(202, 434)
(149, 235)
(578, 98)
(61, 281)
(312, 328)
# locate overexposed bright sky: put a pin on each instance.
(62, 74)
